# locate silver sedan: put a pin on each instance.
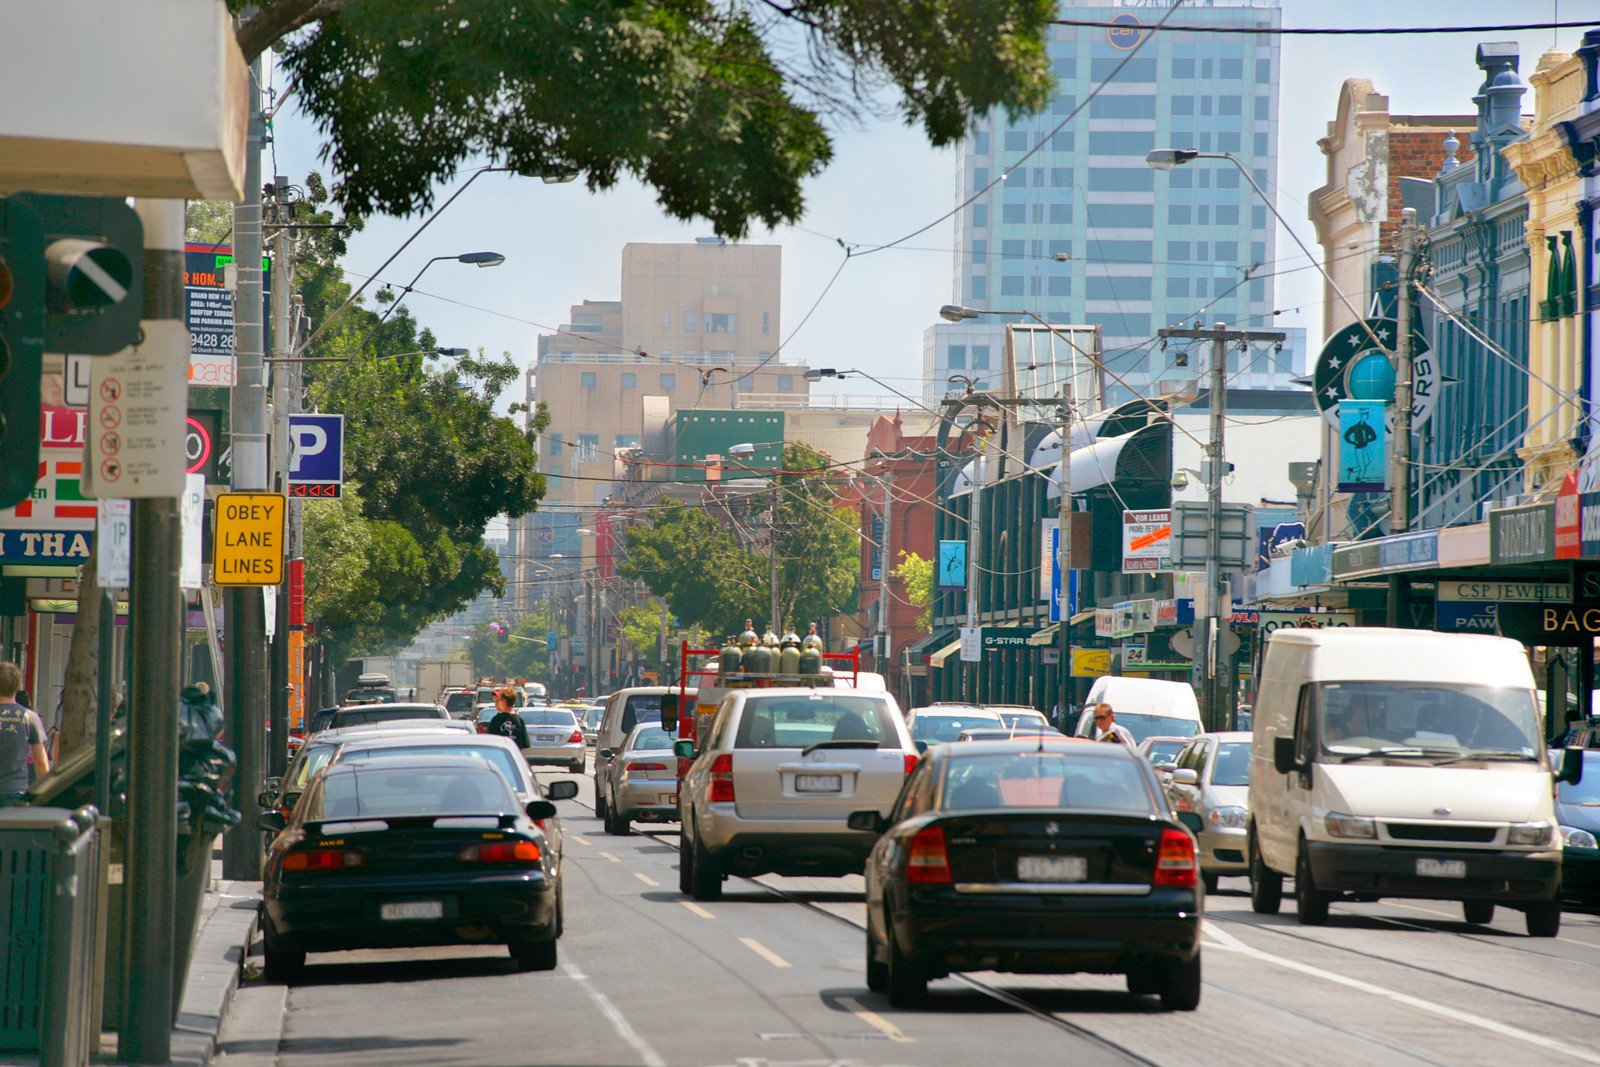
(1209, 789)
(640, 782)
(554, 736)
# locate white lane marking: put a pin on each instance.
(580, 840)
(1228, 942)
(609, 856)
(764, 952)
(877, 1022)
(647, 1055)
(645, 878)
(697, 909)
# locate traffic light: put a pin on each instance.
(22, 290)
(94, 270)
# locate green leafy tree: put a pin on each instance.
(698, 566)
(640, 626)
(522, 653)
(720, 107)
(916, 574)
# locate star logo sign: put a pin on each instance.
(1330, 380)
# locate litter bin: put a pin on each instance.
(50, 877)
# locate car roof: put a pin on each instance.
(808, 690)
(1169, 737)
(1224, 735)
(389, 704)
(953, 712)
(1035, 743)
(373, 729)
(420, 739)
(421, 763)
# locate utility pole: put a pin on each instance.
(244, 612)
(1215, 608)
(1400, 446)
(1064, 565)
(282, 404)
(885, 558)
(772, 554)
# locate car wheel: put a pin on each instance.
(1144, 981)
(905, 980)
(535, 955)
(577, 767)
(877, 972)
(1180, 986)
(282, 964)
(1266, 885)
(1209, 879)
(685, 865)
(1310, 903)
(620, 825)
(1544, 918)
(704, 881)
(1478, 912)
(600, 804)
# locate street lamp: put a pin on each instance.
(428, 353)
(476, 259)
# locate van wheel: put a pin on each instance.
(1310, 903)
(1266, 885)
(1544, 918)
(1478, 912)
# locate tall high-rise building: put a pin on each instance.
(1079, 229)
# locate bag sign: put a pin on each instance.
(248, 549)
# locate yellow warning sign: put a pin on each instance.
(248, 547)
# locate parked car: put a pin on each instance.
(626, 709)
(771, 786)
(394, 853)
(554, 737)
(1578, 820)
(1000, 856)
(1144, 706)
(283, 793)
(368, 713)
(1210, 791)
(591, 723)
(936, 723)
(1162, 752)
(461, 703)
(641, 780)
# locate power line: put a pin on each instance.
(1307, 31)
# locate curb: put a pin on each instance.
(220, 948)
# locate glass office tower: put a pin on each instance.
(1083, 231)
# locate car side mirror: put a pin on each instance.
(1185, 776)
(1283, 760)
(1191, 820)
(871, 821)
(267, 798)
(922, 746)
(563, 790)
(607, 753)
(1571, 766)
(274, 784)
(669, 713)
(540, 809)
(683, 749)
(1166, 766)
(272, 822)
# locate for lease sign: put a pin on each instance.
(1146, 541)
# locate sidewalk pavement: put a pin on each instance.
(226, 927)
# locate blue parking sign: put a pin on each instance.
(316, 454)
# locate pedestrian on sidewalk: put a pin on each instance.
(21, 738)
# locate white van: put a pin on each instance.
(1148, 707)
(1402, 763)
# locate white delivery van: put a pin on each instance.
(1402, 763)
(1148, 707)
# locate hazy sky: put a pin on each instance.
(563, 243)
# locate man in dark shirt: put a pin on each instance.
(21, 735)
(506, 721)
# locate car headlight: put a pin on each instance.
(1572, 837)
(1529, 833)
(1342, 825)
(1229, 817)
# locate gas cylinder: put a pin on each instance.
(749, 636)
(757, 659)
(731, 660)
(811, 660)
(789, 657)
(812, 639)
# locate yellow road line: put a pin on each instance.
(697, 909)
(580, 840)
(764, 952)
(645, 878)
(609, 856)
(877, 1022)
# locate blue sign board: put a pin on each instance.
(952, 572)
(1363, 446)
(1055, 580)
(1465, 616)
(66, 547)
(316, 454)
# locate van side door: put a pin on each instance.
(1290, 796)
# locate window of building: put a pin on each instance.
(1064, 104)
(980, 252)
(1258, 289)
(1016, 140)
(1010, 285)
(1063, 142)
(1230, 105)
(720, 355)
(1258, 251)
(979, 286)
(1120, 143)
(1207, 105)
(1116, 288)
(1059, 248)
(690, 320)
(1230, 68)
(1122, 179)
(958, 357)
(1014, 214)
(1178, 250)
(1225, 251)
(1228, 179)
(1123, 70)
(1183, 105)
(1228, 142)
(552, 444)
(665, 354)
(588, 445)
(1060, 214)
(1017, 179)
(1183, 68)
(666, 320)
(1259, 144)
(1181, 179)
(1119, 252)
(1208, 69)
(626, 440)
(630, 380)
(1258, 217)
(1227, 214)
(1202, 214)
(1060, 285)
(1177, 286)
(747, 384)
(689, 356)
(1178, 214)
(980, 177)
(1263, 71)
(1122, 215)
(1122, 107)
(1011, 250)
(1064, 67)
(785, 383)
(980, 143)
(980, 357)
(1263, 107)
(587, 379)
(980, 216)
(669, 381)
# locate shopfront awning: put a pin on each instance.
(928, 643)
(938, 658)
(1052, 633)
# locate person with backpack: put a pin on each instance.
(506, 721)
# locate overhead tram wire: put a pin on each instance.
(1339, 31)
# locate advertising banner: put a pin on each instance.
(1146, 541)
(1363, 446)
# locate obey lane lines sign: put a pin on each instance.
(248, 546)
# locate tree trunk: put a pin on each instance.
(80, 695)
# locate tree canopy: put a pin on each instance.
(720, 107)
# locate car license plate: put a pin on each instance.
(669, 798)
(1441, 868)
(412, 909)
(818, 783)
(1052, 868)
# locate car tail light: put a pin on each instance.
(630, 768)
(722, 779)
(500, 852)
(928, 862)
(324, 859)
(1175, 863)
(576, 738)
(482, 729)
(911, 761)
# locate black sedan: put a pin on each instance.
(401, 852)
(1044, 856)
(1578, 814)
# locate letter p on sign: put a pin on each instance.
(316, 449)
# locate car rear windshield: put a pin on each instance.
(1143, 726)
(458, 702)
(548, 717)
(643, 707)
(382, 713)
(799, 722)
(1023, 718)
(312, 759)
(1165, 751)
(1232, 765)
(503, 758)
(935, 728)
(375, 791)
(652, 739)
(1046, 780)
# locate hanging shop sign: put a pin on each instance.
(1522, 535)
(1363, 446)
(1351, 367)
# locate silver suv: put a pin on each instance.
(781, 771)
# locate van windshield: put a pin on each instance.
(1427, 720)
(1143, 726)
